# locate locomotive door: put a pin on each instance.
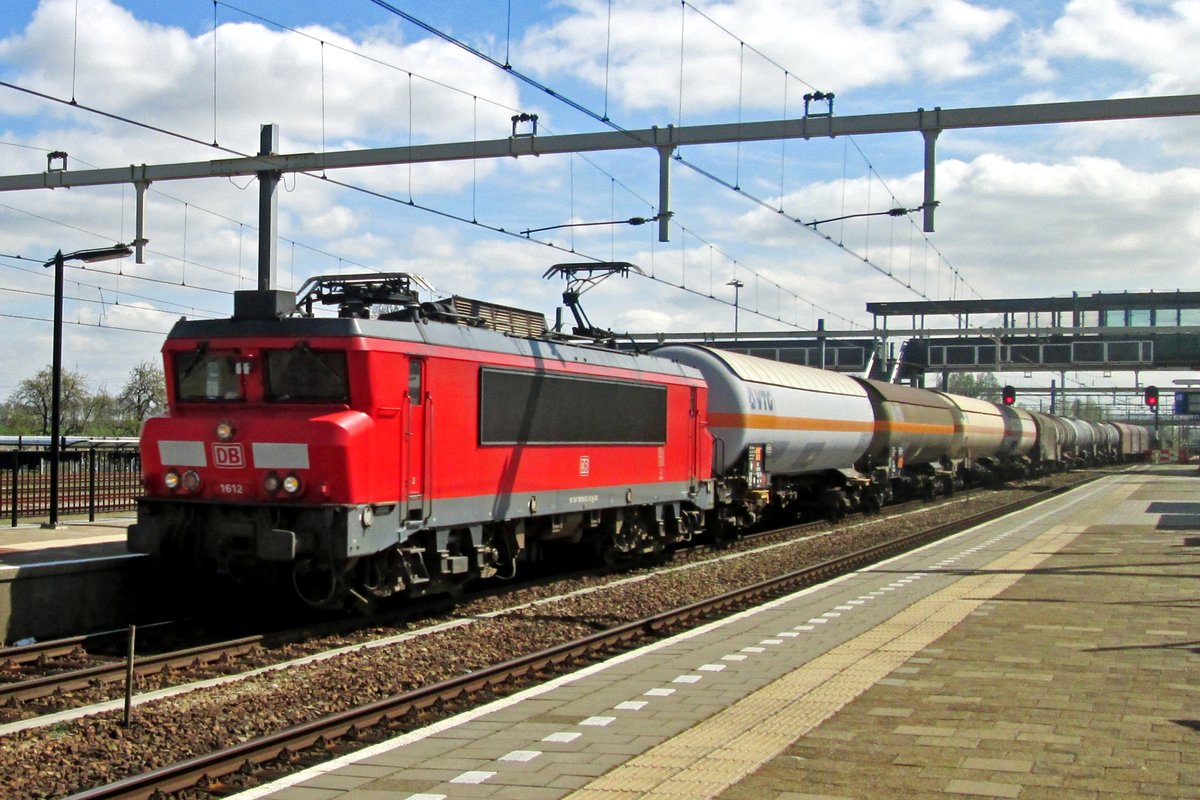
(415, 458)
(693, 441)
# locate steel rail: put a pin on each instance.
(74, 680)
(212, 766)
(69, 645)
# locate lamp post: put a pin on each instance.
(59, 260)
(737, 285)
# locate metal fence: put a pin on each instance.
(92, 479)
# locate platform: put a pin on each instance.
(1050, 654)
(27, 545)
(72, 579)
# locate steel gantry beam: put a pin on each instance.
(928, 122)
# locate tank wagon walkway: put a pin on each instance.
(1052, 654)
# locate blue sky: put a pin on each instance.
(1024, 212)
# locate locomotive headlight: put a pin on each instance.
(271, 483)
(225, 430)
(171, 480)
(291, 484)
(367, 516)
(191, 481)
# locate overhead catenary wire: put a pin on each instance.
(193, 139)
(599, 117)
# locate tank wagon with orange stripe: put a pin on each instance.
(915, 444)
(785, 436)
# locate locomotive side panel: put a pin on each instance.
(519, 436)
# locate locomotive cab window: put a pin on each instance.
(201, 376)
(301, 375)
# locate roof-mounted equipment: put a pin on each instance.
(583, 276)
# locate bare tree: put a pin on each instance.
(32, 399)
(144, 395)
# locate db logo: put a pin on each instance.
(228, 456)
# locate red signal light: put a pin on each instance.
(1152, 397)
(1009, 395)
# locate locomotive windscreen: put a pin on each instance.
(306, 376)
(541, 408)
(203, 376)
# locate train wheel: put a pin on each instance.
(377, 575)
(623, 542)
(316, 583)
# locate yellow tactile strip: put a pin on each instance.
(720, 751)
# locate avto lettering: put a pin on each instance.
(228, 456)
(761, 400)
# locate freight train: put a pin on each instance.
(404, 447)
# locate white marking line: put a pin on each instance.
(562, 737)
(631, 705)
(860, 601)
(688, 679)
(771, 641)
(787, 634)
(660, 692)
(806, 627)
(711, 668)
(844, 608)
(473, 776)
(734, 657)
(520, 755)
(832, 614)
(426, 796)
(15, 567)
(817, 621)
(597, 722)
(756, 649)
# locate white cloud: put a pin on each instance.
(844, 45)
(1153, 41)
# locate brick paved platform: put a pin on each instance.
(1052, 654)
(1081, 680)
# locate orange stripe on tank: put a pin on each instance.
(913, 427)
(770, 422)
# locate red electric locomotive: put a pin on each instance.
(436, 443)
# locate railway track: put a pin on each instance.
(205, 773)
(108, 669)
(46, 685)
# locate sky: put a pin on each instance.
(1023, 212)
